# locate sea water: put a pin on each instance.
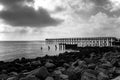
(29, 49)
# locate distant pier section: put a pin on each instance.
(86, 42)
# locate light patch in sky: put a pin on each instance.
(1, 7)
(1, 36)
(50, 5)
(1, 29)
(115, 4)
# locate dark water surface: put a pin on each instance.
(28, 49)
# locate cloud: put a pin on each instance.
(87, 8)
(109, 7)
(17, 14)
(83, 5)
(86, 18)
(105, 25)
(58, 9)
(82, 18)
(100, 2)
(13, 30)
(83, 8)
(97, 25)
(115, 5)
(12, 3)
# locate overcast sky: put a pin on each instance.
(40, 19)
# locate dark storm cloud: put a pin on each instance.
(14, 3)
(100, 2)
(16, 14)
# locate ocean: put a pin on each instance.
(10, 50)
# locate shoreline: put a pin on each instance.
(86, 58)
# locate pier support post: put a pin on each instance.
(61, 46)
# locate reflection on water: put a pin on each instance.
(28, 49)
